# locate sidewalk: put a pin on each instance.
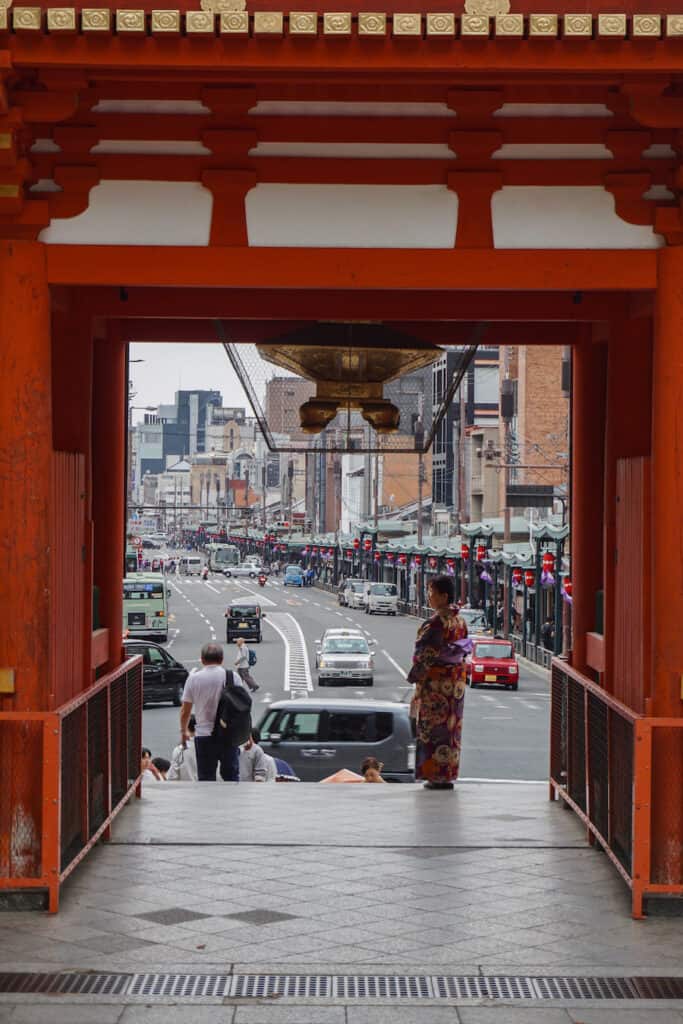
(293, 904)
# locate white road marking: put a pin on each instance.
(395, 664)
(486, 696)
(496, 718)
(215, 590)
(340, 614)
(532, 707)
(261, 598)
(297, 681)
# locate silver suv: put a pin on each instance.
(318, 737)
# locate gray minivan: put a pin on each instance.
(318, 737)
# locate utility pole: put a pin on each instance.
(375, 490)
(263, 489)
(507, 402)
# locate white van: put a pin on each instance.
(190, 565)
(382, 597)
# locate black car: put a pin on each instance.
(243, 618)
(163, 678)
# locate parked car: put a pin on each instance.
(492, 661)
(319, 737)
(163, 678)
(345, 659)
(294, 576)
(250, 569)
(354, 593)
(243, 618)
(382, 598)
(476, 622)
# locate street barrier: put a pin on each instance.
(602, 766)
(89, 750)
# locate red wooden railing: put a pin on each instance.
(89, 750)
(601, 765)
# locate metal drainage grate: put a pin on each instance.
(344, 986)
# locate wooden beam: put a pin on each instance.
(394, 269)
(247, 59)
(307, 304)
(166, 330)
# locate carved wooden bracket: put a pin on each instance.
(228, 219)
(475, 190)
(649, 106)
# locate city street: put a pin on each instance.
(505, 732)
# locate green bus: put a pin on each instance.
(145, 606)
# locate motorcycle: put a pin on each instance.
(262, 579)
(205, 573)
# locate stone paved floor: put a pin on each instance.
(343, 879)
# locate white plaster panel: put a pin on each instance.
(150, 107)
(659, 151)
(356, 150)
(564, 218)
(166, 147)
(553, 110)
(45, 146)
(552, 151)
(138, 213)
(352, 216)
(324, 108)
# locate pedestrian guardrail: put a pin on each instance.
(89, 750)
(604, 764)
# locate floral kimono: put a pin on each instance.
(439, 675)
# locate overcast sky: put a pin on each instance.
(170, 368)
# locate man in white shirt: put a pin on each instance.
(202, 693)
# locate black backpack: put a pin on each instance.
(233, 716)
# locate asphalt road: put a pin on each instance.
(505, 733)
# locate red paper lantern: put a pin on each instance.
(433, 562)
(548, 561)
(403, 559)
(349, 554)
(481, 552)
(529, 577)
(304, 551)
(377, 556)
(516, 577)
(450, 562)
(567, 584)
(389, 556)
(367, 544)
(465, 551)
(314, 550)
(356, 544)
(418, 559)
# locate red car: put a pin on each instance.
(493, 661)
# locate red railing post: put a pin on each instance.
(642, 813)
(51, 826)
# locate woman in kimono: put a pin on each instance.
(438, 673)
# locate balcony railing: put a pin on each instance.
(89, 750)
(601, 765)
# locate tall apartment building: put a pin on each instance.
(185, 422)
(462, 489)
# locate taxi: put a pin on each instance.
(492, 662)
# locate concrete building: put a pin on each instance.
(186, 420)
(284, 397)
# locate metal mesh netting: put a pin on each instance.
(276, 396)
(97, 760)
(119, 740)
(134, 722)
(74, 785)
(598, 759)
(577, 744)
(621, 788)
(558, 727)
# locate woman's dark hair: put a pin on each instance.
(146, 752)
(444, 585)
(369, 762)
(161, 763)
